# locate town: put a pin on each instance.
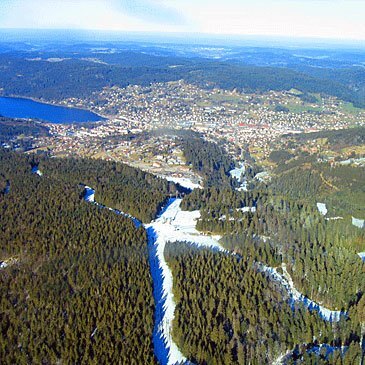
(243, 121)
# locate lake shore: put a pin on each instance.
(54, 103)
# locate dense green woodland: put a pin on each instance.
(230, 313)
(220, 294)
(321, 255)
(117, 185)
(79, 78)
(209, 160)
(336, 138)
(79, 288)
(340, 186)
(12, 128)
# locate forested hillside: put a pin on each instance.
(335, 138)
(10, 128)
(117, 185)
(75, 281)
(229, 313)
(321, 167)
(321, 255)
(72, 77)
(209, 160)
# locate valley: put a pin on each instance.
(214, 216)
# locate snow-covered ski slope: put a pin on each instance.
(175, 225)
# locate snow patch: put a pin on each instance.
(281, 358)
(238, 174)
(94, 332)
(7, 188)
(322, 208)
(322, 349)
(89, 194)
(243, 210)
(355, 161)
(262, 176)
(326, 349)
(247, 209)
(8, 262)
(183, 181)
(360, 223)
(36, 171)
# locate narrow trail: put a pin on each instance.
(327, 182)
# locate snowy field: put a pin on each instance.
(238, 174)
(322, 208)
(183, 181)
(359, 223)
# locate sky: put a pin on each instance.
(334, 19)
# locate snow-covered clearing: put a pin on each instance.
(35, 170)
(359, 223)
(238, 174)
(183, 181)
(175, 225)
(286, 280)
(8, 262)
(322, 208)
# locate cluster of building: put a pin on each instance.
(241, 119)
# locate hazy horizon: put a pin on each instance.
(51, 34)
(339, 20)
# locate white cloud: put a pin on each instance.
(310, 18)
(89, 14)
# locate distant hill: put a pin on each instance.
(67, 75)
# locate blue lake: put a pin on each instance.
(25, 108)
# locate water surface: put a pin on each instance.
(26, 108)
